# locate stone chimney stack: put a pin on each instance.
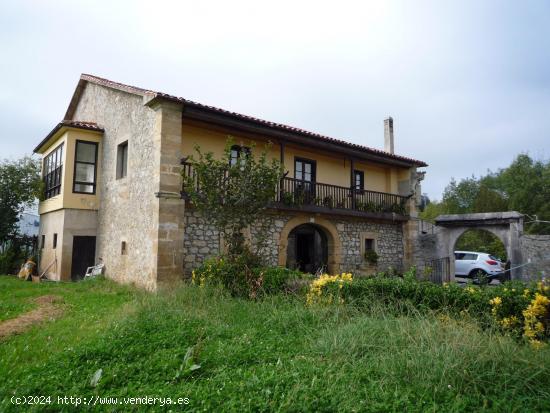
(388, 135)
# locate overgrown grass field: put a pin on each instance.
(275, 354)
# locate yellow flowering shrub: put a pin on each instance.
(524, 312)
(535, 327)
(326, 288)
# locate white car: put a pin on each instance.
(472, 264)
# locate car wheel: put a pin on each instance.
(479, 276)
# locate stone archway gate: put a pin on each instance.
(506, 226)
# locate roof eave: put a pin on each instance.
(58, 128)
(224, 118)
(200, 113)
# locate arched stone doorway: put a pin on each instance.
(467, 247)
(506, 226)
(327, 240)
(307, 249)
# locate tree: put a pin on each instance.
(20, 185)
(524, 186)
(527, 184)
(232, 196)
(482, 241)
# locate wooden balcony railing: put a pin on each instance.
(296, 193)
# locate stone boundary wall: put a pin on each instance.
(202, 241)
(535, 250)
(424, 242)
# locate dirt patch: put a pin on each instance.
(46, 310)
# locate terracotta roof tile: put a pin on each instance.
(71, 124)
(275, 125)
(81, 125)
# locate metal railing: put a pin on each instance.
(438, 271)
(293, 192)
(297, 193)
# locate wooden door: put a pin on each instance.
(83, 256)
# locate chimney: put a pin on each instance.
(388, 135)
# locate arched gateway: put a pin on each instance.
(506, 226)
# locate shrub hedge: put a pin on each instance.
(522, 310)
(244, 277)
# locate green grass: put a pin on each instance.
(272, 355)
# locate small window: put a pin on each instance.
(52, 172)
(43, 242)
(54, 241)
(238, 152)
(359, 180)
(123, 250)
(122, 160)
(85, 167)
(369, 244)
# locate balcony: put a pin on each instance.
(298, 195)
(320, 197)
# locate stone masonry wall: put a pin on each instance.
(535, 249)
(202, 241)
(424, 241)
(389, 244)
(128, 208)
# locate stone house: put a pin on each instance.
(113, 189)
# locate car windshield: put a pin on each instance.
(494, 258)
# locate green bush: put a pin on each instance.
(371, 256)
(244, 276)
(277, 279)
(421, 294)
(12, 256)
(513, 307)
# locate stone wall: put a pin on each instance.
(128, 208)
(388, 240)
(424, 242)
(535, 250)
(202, 241)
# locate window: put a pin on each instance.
(52, 172)
(369, 244)
(304, 173)
(122, 160)
(465, 256)
(43, 242)
(54, 241)
(359, 180)
(123, 248)
(85, 167)
(238, 152)
(304, 170)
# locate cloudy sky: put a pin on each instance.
(467, 82)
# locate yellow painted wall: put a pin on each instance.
(66, 198)
(330, 169)
(214, 141)
(70, 199)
